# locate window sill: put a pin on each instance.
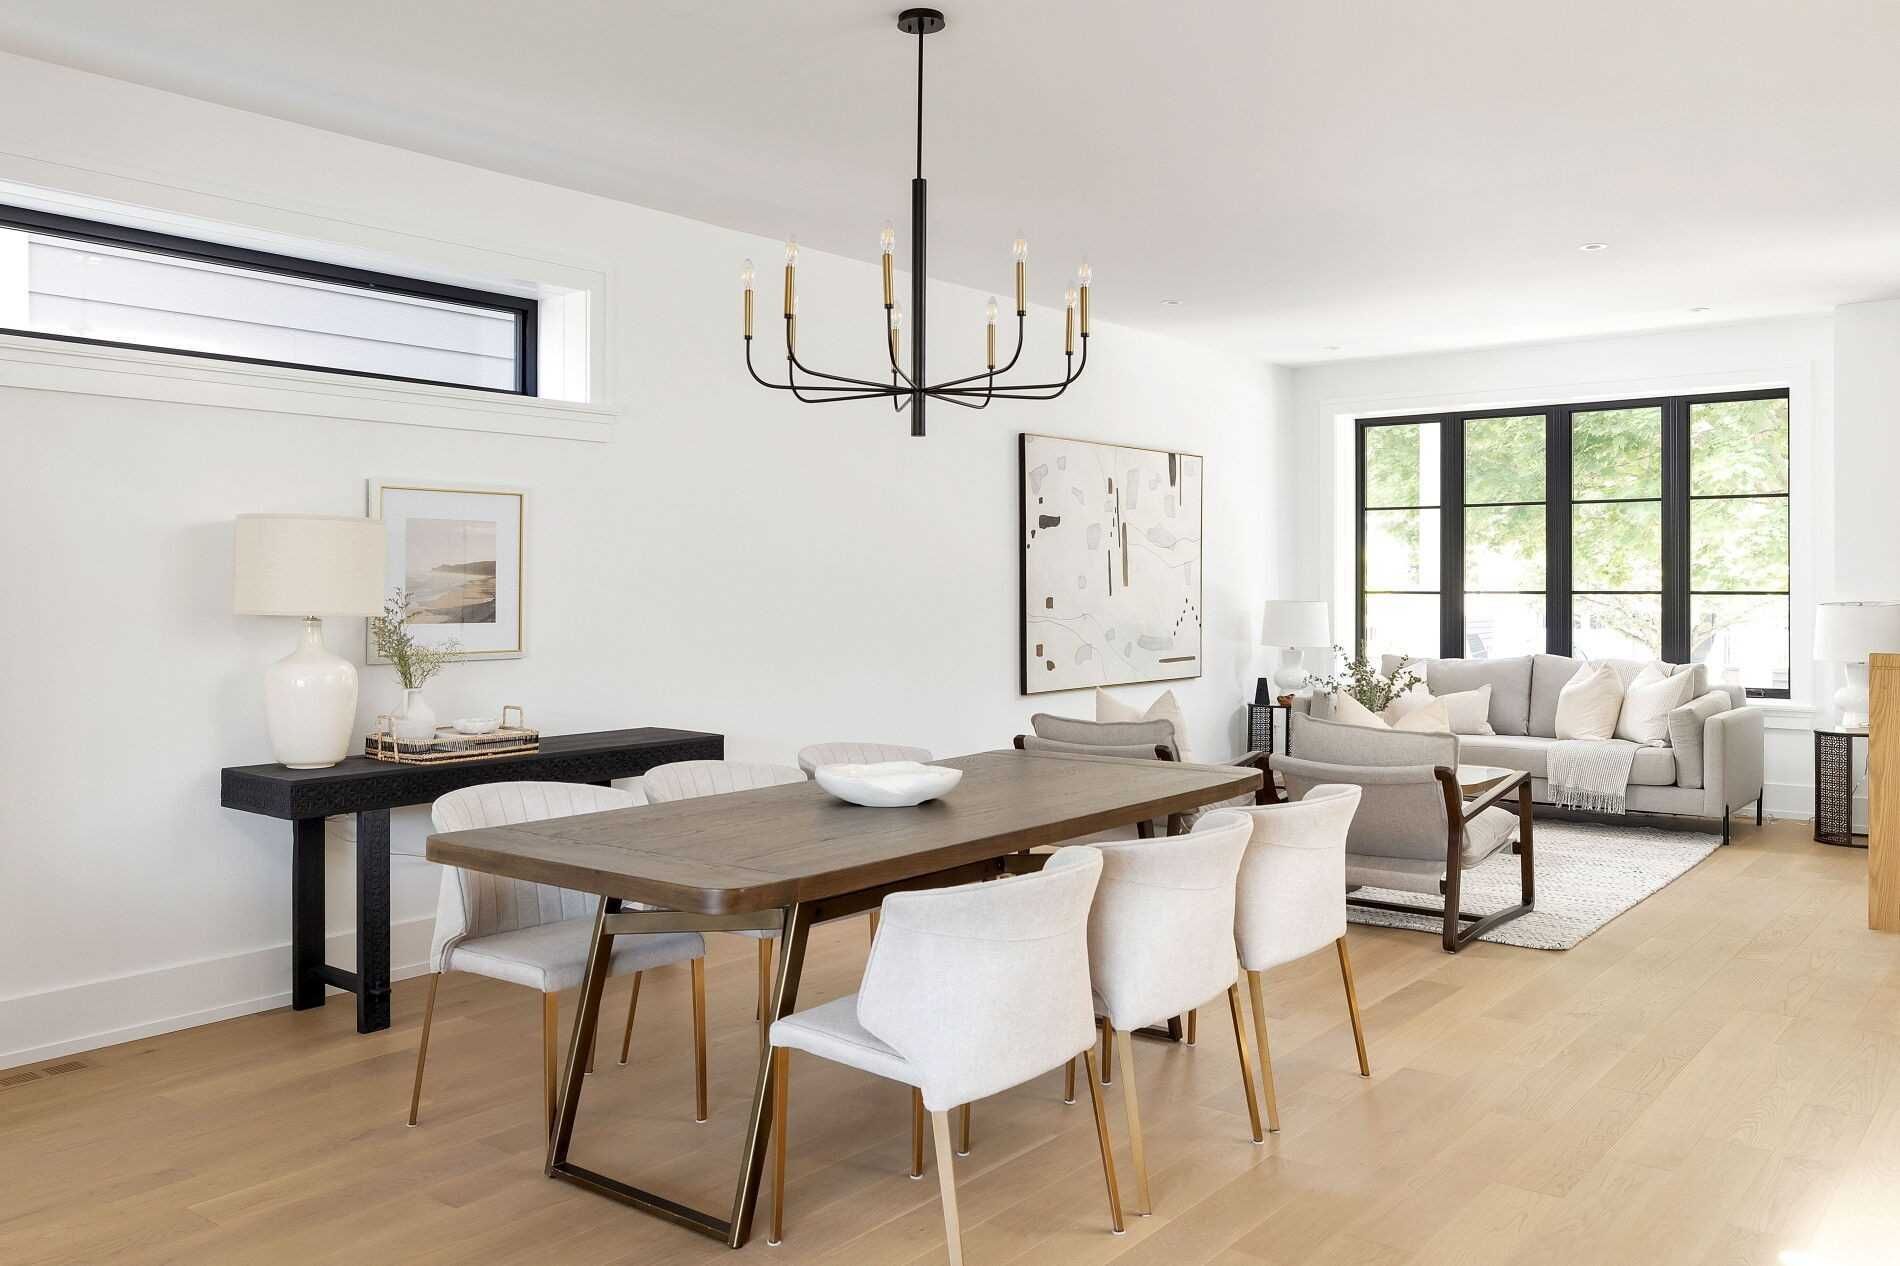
(1784, 714)
(45, 365)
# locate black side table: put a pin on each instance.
(370, 789)
(1263, 727)
(1834, 787)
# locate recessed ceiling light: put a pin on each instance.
(1594, 246)
(1170, 303)
(1698, 309)
(1334, 347)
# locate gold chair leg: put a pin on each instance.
(947, 1185)
(1246, 1061)
(422, 1047)
(1101, 1141)
(874, 915)
(916, 1133)
(633, 1004)
(550, 1025)
(1266, 1052)
(1137, 1152)
(1193, 1026)
(963, 1130)
(1068, 1079)
(699, 1038)
(781, 1096)
(1352, 1006)
(1108, 1055)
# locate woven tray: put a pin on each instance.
(450, 747)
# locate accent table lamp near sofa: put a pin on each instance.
(309, 565)
(1293, 626)
(1847, 633)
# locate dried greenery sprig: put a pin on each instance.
(414, 662)
(1372, 689)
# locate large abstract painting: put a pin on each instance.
(1111, 571)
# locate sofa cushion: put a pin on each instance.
(1588, 705)
(1647, 705)
(1653, 767)
(1551, 673)
(1685, 734)
(1509, 679)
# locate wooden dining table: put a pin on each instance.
(785, 858)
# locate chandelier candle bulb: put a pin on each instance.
(897, 328)
(1068, 321)
(791, 271)
(887, 243)
(989, 329)
(746, 278)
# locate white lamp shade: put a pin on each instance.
(1848, 632)
(1296, 624)
(308, 564)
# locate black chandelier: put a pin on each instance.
(908, 389)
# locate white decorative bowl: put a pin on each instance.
(476, 725)
(891, 784)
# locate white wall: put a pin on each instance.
(726, 561)
(1866, 451)
(1795, 352)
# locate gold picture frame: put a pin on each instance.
(461, 550)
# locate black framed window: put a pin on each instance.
(84, 281)
(1614, 529)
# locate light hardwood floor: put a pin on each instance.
(1709, 1080)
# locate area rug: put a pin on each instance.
(1587, 874)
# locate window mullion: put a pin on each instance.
(1451, 537)
(1675, 532)
(1557, 512)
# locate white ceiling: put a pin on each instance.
(1313, 179)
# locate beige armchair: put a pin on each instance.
(1414, 830)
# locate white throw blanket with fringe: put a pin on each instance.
(1591, 774)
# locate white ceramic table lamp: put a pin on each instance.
(1847, 633)
(309, 565)
(1293, 626)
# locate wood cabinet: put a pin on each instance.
(1883, 814)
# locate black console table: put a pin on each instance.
(370, 789)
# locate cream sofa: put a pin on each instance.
(1712, 766)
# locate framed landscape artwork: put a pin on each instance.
(1111, 564)
(456, 553)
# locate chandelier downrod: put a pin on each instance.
(909, 389)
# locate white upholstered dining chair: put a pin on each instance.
(539, 935)
(690, 779)
(1292, 903)
(810, 758)
(1160, 943)
(968, 992)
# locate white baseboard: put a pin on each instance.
(100, 1013)
(1788, 800)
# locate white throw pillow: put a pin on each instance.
(1350, 711)
(1166, 708)
(1651, 697)
(1588, 705)
(1403, 705)
(1469, 710)
(1433, 718)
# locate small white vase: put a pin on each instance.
(415, 722)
